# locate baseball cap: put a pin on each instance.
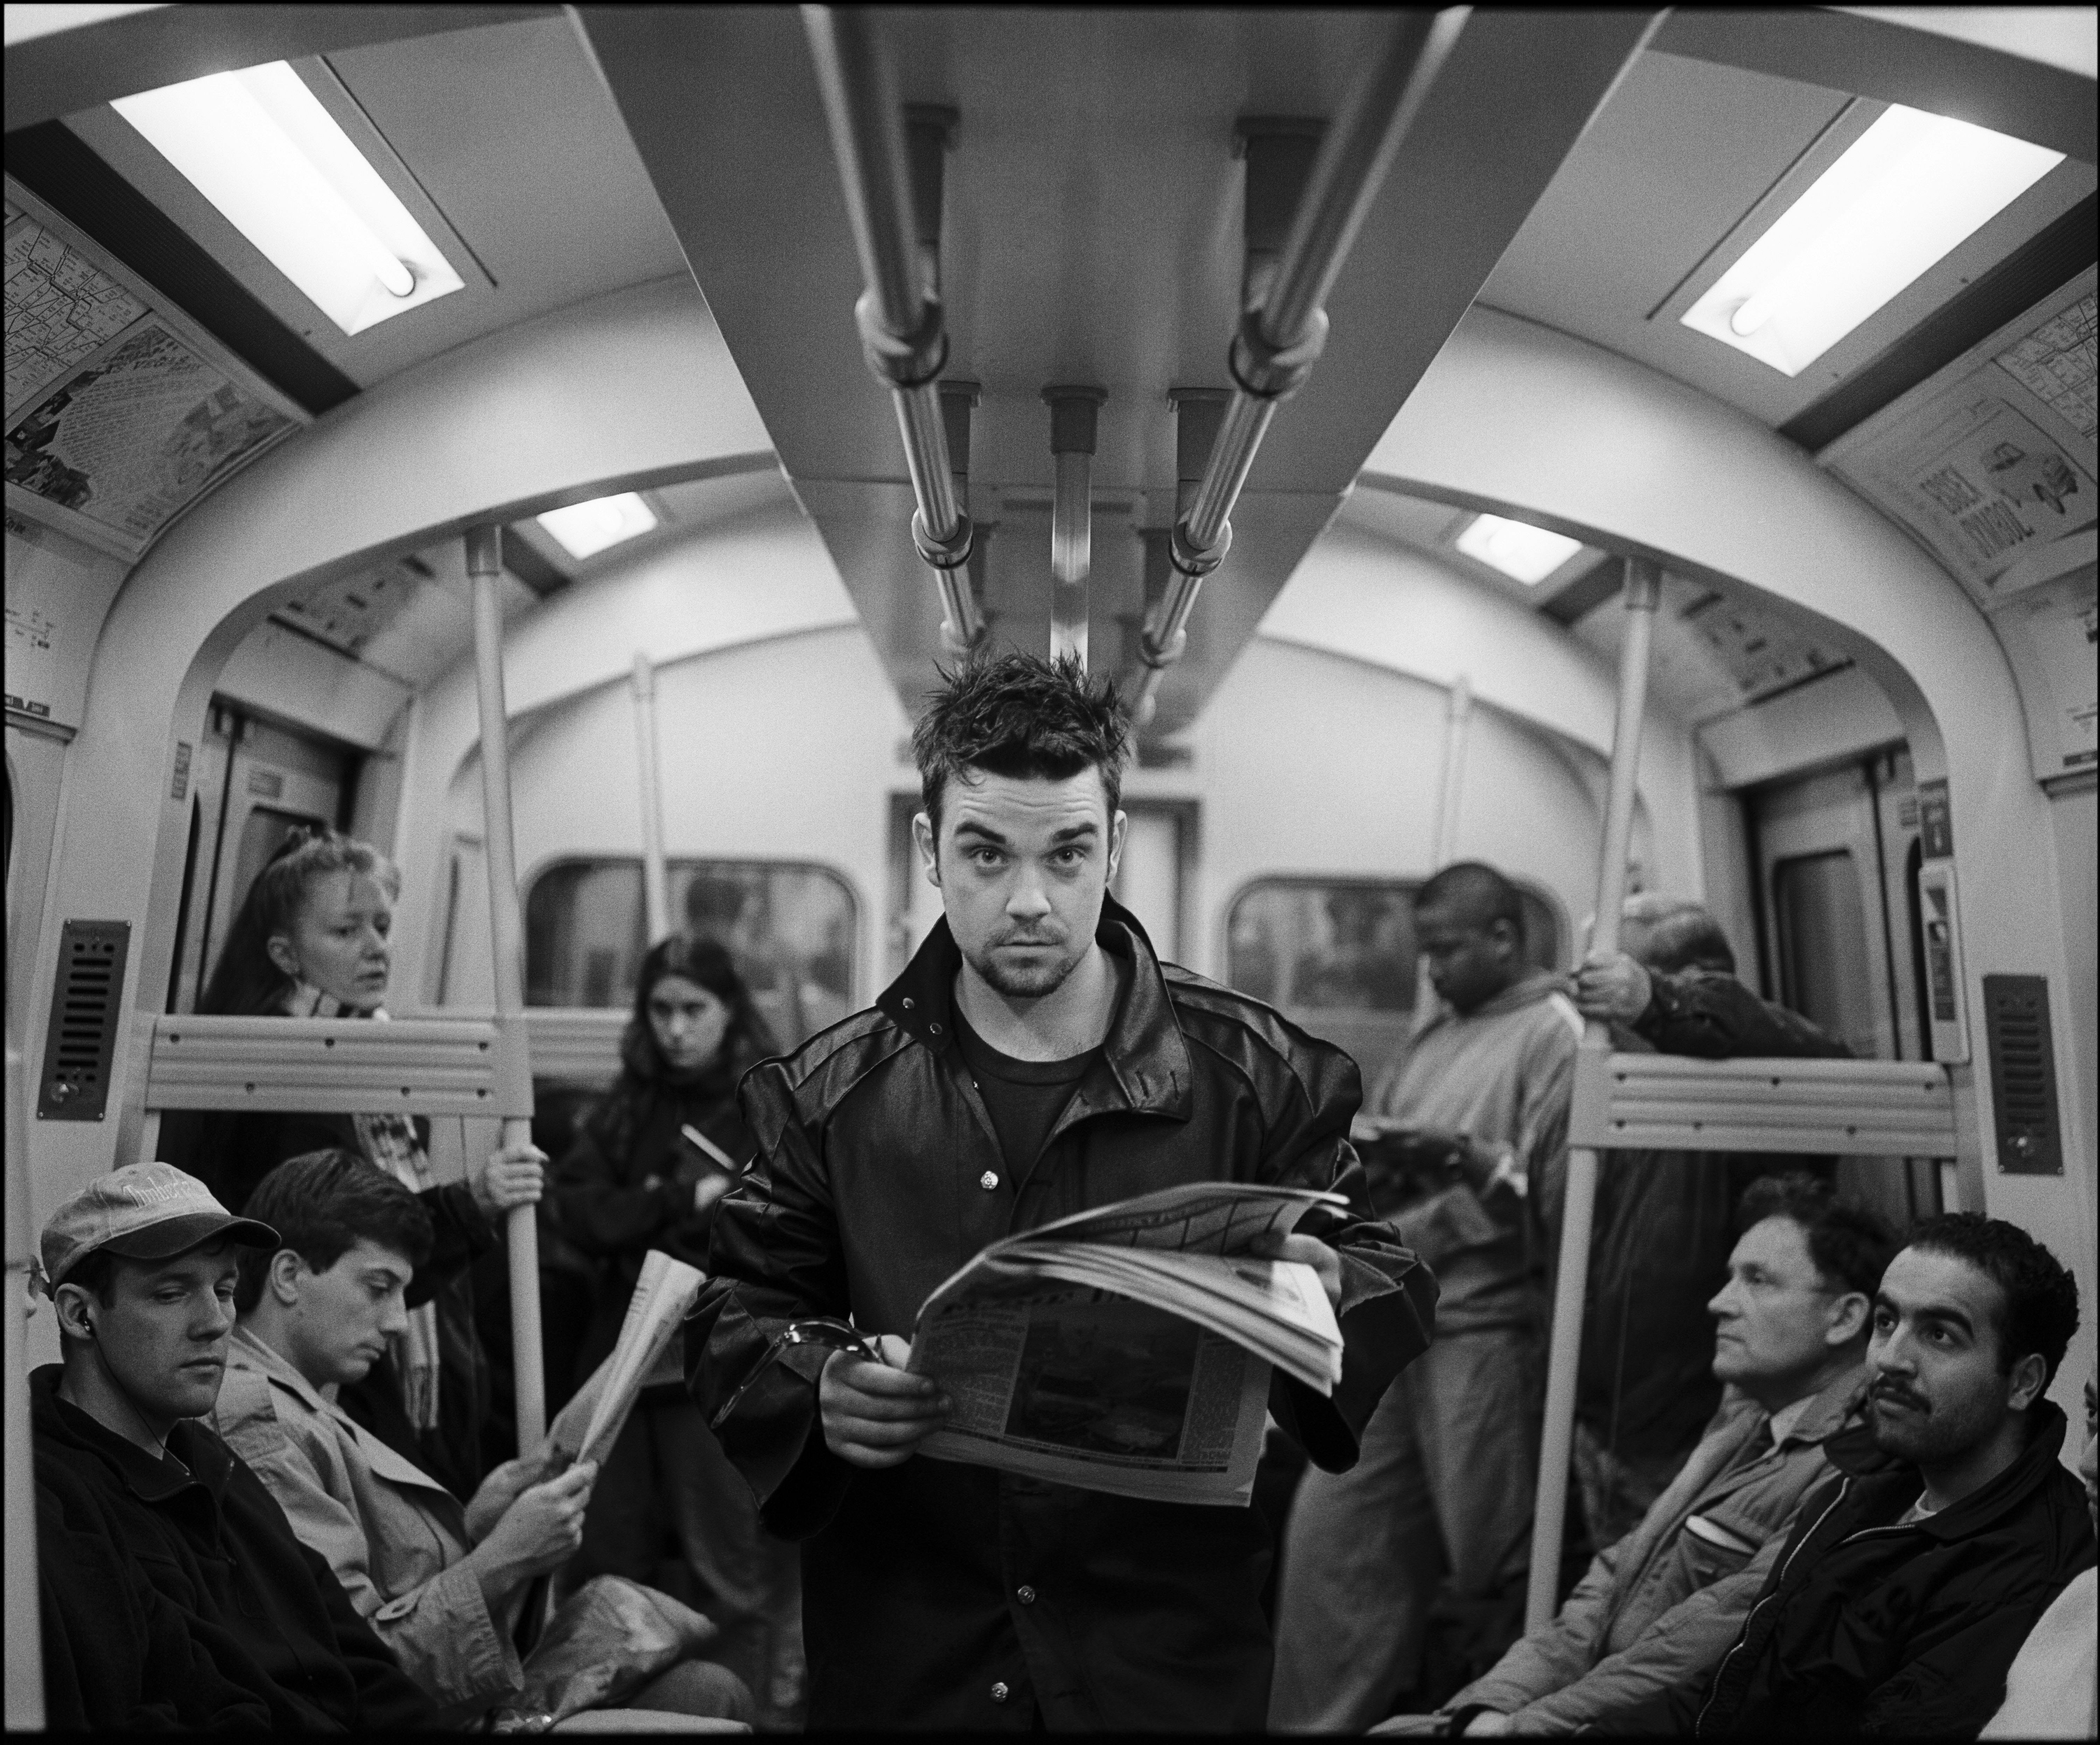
(143, 1212)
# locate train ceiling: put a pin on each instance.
(1119, 123)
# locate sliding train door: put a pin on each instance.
(253, 783)
(1836, 856)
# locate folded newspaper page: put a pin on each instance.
(1128, 1349)
(590, 1424)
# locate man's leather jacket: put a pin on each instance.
(941, 1595)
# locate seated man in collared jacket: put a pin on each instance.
(1658, 1609)
(1035, 1059)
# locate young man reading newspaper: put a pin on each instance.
(1035, 1060)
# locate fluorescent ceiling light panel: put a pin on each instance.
(1523, 553)
(583, 530)
(259, 146)
(1901, 197)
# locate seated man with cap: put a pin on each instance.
(175, 1593)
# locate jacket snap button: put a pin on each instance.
(1025, 1594)
(934, 1028)
(988, 1181)
(999, 1693)
(907, 1002)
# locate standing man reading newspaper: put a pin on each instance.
(1035, 1060)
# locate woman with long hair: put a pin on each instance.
(648, 1170)
(311, 939)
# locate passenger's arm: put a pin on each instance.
(1712, 1015)
(1387, 1306)
(1938, 1691)
(460, 1236)
(1556, 1654)
(600, 1215)
(775, 1257)
(1631, 1691)
(445, 1635)
(117, 1655)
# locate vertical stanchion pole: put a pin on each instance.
(1579, 1199)
(484, 567)
(655, 878)
(1073, 415)
(25, 1657)
(1457, 721)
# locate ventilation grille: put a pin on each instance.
(86, 1003)
(2023, 1074)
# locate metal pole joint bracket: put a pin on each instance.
(1191, 559)
(902, 361)
(1159, 656)
(1268, 370)
(949, 554)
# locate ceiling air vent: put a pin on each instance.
(87, 1001)
(2023, 1074)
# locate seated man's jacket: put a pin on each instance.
(200, 1532)
(941, 1595)
(1659, 1609)
(1867, 1625)
(1712, 1015)
(393, 1536)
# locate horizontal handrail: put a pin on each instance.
(1855, 1107)
(576, 1043)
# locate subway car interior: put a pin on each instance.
(1645, 451)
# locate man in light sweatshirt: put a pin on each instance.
(1465, 1145)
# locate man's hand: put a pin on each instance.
(1612, 987)
(502, 1487)
(875, 1415)
(1275, 1246)
(511, 1177)
(540, 1532)
(1484, 1724)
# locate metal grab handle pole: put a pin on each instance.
(1579, 1198)
(1277, 343)
(484, 567)
(656, 879)
(1073, 416)
(1457, 721)
(901, 323)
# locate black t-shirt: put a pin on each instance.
(1025, 1098)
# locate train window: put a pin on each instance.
(1337, 956)
(790, 928)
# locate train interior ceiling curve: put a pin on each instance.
(237, 597)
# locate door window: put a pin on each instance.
(1824, 974)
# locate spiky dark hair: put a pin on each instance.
(1020, 715)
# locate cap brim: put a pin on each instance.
(179, 1235)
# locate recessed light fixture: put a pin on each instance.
(585, 529)
(1520, 551)
(1900, 198)
(260, 147)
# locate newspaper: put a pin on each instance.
(1128, 1350)
(644, 1354)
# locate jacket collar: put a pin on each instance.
(1886, 1479)
(1837, 1401)
(1144, 1058)
(192, 1444)
(247, 1352)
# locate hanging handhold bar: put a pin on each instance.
(1074, 420)
(1280, 338)
(899, 314)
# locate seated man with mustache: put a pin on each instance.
(1911, 1579)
